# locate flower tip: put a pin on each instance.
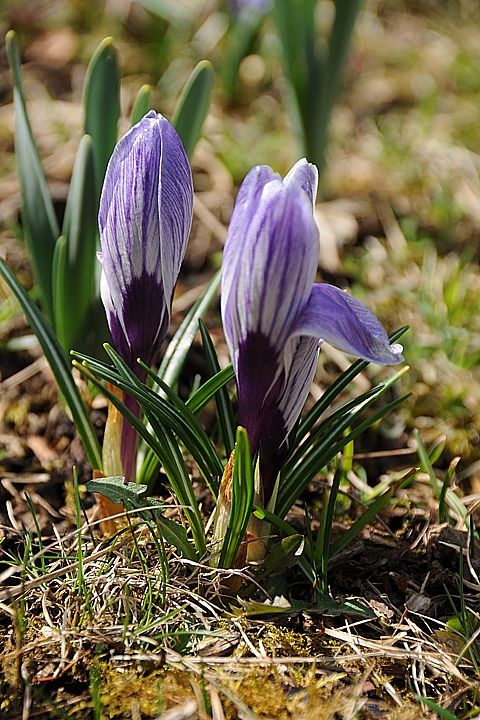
(397, 350)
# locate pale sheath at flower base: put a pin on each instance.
(144, 219)
(275, 318)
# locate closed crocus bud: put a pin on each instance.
(144, 219)
(275, 317)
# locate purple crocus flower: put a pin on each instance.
(275, 318)
(145, 217)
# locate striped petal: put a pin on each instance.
(281, 426)
(346, 323)
(270, 263)
(144, 219)
(304, 174)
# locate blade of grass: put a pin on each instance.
(168, 453)
(368, 515)
(327, 529)
(441, 712)
(206, 392)
(293, 484)
(307, 423)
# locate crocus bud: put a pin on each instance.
(144, 219)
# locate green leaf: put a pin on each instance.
(206, 392)
(38, 216)
(192, 108)
(441, 712)
(167, 451)
(250, 608)
(74, 275)
(288, 530)
(222, 400)
(283, 555)
(181, 342)
(141, 105)
(174, 414)
(326, 78)
(368, 514)
(102, 105)
(133, 497)
(328, 397)
(325, 531)
(59, 364)
(184, 424)
(325, 605)
(331, 442)
(240, 37)
(242, 500)
(117, 490)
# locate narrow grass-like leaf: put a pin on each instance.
(239, 39)
(294, 484)
(167, 451)
(195, 403)
(59, 365)
(320, 429)
(442, 508)
(222, 400)
(38, 216)
(141, 105)
(325, 79)
(187, 427)
(441, 712)
(443, 494)
(327, 529)
(192, 108)
(102, 106)
(368, 515)
(207, 391)
(328, 397)
(426, 464)
(174, 415)
(74, 277)
(242, 500)
(180, 344)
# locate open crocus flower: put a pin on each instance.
(145, 217)
(275, 317)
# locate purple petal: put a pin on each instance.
(279, 429)
(246, 203)
(144, 219)
(269, 264)
(346, 323)
(260, 384)
(304, 174)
